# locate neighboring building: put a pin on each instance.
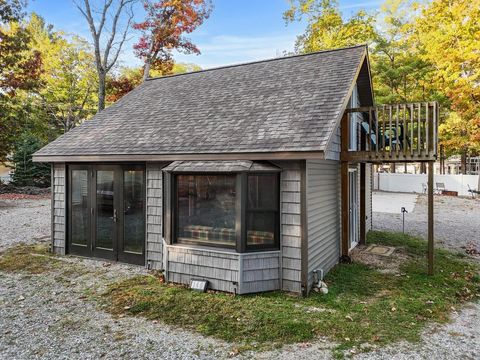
(231, 174)
(5, 177)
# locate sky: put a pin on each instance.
(237, 30)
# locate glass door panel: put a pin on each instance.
(105, 210)
(133, 202)
(132, 222)
(80, 209)
(79, 218)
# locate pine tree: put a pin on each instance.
(25, 171)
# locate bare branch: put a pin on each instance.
(121, 42)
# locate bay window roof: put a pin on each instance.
(221, 166)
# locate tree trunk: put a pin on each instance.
(101, 90)
(146, 70)
(463, 162)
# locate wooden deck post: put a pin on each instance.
(363, 174)
(430, 219)
(344, 185)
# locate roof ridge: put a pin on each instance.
(255, 62)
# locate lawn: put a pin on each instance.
(363, 305)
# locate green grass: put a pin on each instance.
(33, 259)
(363, 304)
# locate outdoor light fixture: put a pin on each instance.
(403, 210)
(199, 285)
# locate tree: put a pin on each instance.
(69, 78)
(162, 31)
(25, 171)
(130, 78)
(106, 58)
(326, 28)
(448, 34)
(20, 69)
(400, 75)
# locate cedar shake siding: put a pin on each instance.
(154, 210)
(59, 209)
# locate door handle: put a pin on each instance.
(114, 215)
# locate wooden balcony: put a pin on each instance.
(394, 133)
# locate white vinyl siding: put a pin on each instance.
(323, 215)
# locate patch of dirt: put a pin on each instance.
(385, 264)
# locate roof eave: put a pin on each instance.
(280, 155)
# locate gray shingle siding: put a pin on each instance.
(323, 218)
(58, 209)
(154, 223)
(291, 229)
(219, 268)
(260, 272)
(285, 104)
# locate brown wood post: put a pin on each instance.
(344, 188)
(430, 218)
(363, 200)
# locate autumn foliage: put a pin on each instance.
(163, 30)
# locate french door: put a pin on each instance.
(107, 212)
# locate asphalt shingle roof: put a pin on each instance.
(285, 104)
(220, 166)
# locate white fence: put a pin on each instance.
(413, 183)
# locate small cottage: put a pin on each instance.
(233, 175)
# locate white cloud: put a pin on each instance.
(366, 4)
(229, 49)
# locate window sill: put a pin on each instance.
(215, 249)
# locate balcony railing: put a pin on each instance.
(402, 132)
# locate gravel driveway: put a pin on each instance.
(24, 221)
(457, 220)
(49, 316)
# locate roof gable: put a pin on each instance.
(280, 105)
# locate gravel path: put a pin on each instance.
(457, 220)
(458, 340)
(47, 316)
(24, 221)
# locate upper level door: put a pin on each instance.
(354, 209)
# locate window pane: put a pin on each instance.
(80, 211)
(262, 192)
(105, 224)
(261, 228)
(134, 225)
(206, 209)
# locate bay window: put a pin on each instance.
(206, 209)
(236, 210)
(262, 211)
